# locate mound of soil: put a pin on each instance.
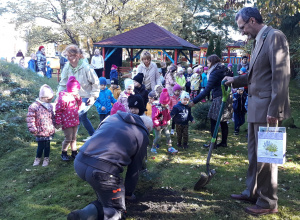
(161, 204)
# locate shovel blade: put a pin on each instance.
(201, 182)
(204, 180)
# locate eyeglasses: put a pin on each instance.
(242, 28)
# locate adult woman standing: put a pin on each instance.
(41, 60)
(150, 71)
(216, 73)
(86, 76)
(97, 63)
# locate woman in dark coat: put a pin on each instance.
(217, 71)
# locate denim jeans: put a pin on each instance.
(43, 146)
(85, 121)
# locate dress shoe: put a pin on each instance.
(221, 145)
(257, 210)
(243, 198)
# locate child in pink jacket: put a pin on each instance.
(161, 117)
(174, 99)
(67, 117)
(40, 122)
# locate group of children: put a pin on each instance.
(159, 104)
(42, 121)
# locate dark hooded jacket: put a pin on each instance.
(121, 140)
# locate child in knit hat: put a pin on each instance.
(181, 115)
(136, 104)
(105, 100)
(161, 117)
(113, 72)
(40, 122)
(123, 98)
(139, 87)
(174, 99)
(67, 117)
(49, 70)
(115, 88)
(180, 79)
(204, 82)
(195, 82)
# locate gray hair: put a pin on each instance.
(148, 122)
(249, 12)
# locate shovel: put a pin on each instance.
(206, 177)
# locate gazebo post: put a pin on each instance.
(228, 49)
(191, 58)
(131, 58)
(103, 55)
(175, 57)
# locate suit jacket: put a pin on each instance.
(268, 78)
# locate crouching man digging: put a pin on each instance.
(121, 140)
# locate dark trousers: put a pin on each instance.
(103, 116)
(109, 189)
(188, 89)
(182, 133)
(43, 146)
(173, 124)
(239, 120)
(224, 129)
(99, 72)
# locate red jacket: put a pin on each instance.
(173, 101)
(160, 115)
(66, 113)
(40, 120)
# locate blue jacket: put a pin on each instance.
(181, 114)
(214, 83)
(204, 80)
(32, 65)
(113, 74)
(49, 72)
(106, 98)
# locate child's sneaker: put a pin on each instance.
(46, 162)
(172, 132)
(172, 150)
(153, 150)
(65, 157)
(36, 161)
(74, 154)
(157, 146)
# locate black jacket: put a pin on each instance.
(213, 83)
(239, 102)
(120, 140)
(181, 114)
(143, 93)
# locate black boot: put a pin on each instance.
(89, 212)
(74, 153)
(222, 144)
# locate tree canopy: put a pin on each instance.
(87, 21)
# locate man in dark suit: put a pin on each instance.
(268, 103)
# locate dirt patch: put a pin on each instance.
(162, 204)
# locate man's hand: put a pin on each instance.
(229, 81)
(91, 101)
(272, 120)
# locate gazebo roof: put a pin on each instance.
(149, 36)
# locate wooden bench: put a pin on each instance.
(124, 69)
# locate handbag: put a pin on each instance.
(271, 147)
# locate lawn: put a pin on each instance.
(164, 192)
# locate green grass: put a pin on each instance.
(28, 192)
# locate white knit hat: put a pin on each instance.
(46, 92)
(184, 95)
